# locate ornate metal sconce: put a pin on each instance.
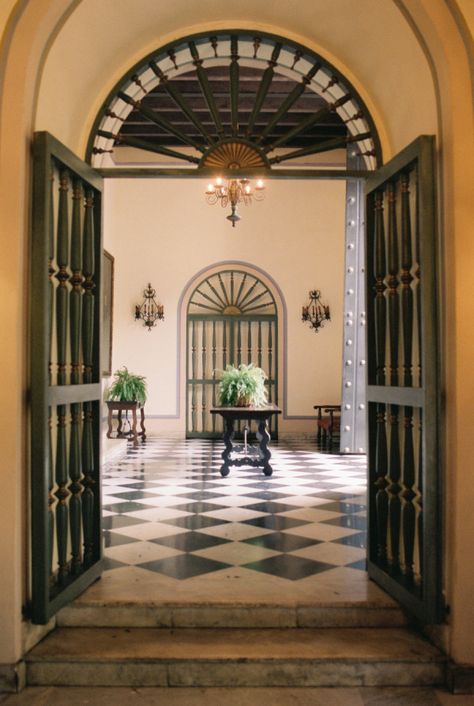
(149, 311)
(315, 312)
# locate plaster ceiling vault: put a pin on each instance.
(109, 38)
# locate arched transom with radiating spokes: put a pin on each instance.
(232, 292)
(233, 100)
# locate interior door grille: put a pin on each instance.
(403, 382)
(231, 319)
(65, 324)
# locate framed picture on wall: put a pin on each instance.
(107, 312)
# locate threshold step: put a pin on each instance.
(230, 615)
(233, 657)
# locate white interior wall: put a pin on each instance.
(163, 232)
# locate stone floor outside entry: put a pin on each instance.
(110, 696)
(257, 567)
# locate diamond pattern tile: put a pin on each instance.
(281, 542)
(168, 511)
(191, 541)
(111, 521)
(289, 566)
(113, 540)
(184, 566)
(275, 522)
(194, 522)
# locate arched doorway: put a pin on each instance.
(231, 319)
(264, 143)
(19, 148)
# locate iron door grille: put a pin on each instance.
(65, 320)
(231, 319)
(403, 382)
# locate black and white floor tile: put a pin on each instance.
(168, 510)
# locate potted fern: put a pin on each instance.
(242, 386)
(127, 387)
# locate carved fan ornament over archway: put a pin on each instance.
(234, 293)
(232, 100)
(233, 154)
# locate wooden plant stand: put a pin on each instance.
(132, 407)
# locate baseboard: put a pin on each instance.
(12, 677)
(460, 678)
(297, 435)
(164, 434)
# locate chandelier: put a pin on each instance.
(233, 192)
(315, 312)
(149, 311)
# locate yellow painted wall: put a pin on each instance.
(410, 59)
(101, 41)
(23, 42)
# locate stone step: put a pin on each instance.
(87, 613)
(233, 657)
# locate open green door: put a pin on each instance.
(65, 321)
(405, 519)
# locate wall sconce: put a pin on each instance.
(315, 312)
(149, 311)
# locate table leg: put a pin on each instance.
(134, 427)
(318, 424)
(119, 424)
(264, 437)
(228, 436)
(109, 431)
(142, 423)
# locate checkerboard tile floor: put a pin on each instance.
(167, 510)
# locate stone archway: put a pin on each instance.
(442, 38)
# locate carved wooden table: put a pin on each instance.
(253, 456)
(132, 407)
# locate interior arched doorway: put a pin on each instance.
(232, 318)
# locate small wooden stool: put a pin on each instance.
(329, 424)
(132, 407)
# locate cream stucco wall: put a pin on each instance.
(23, 42)
(163, 232)
(410, 59)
